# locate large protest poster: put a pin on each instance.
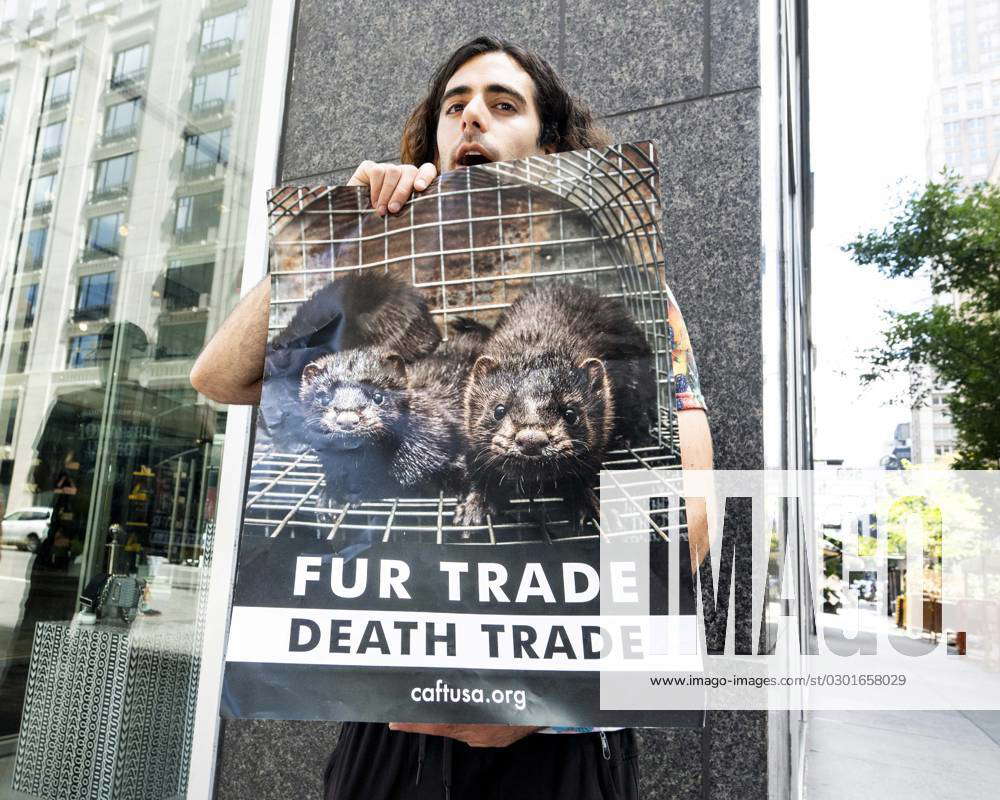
(443, 389)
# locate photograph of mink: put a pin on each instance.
(360, 378)
(362, 309)
(463, 370)
(384, 428)
(565, 375)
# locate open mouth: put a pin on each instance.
(473, 159)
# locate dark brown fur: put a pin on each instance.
(362, 309)
(384, 428)
(565, 374)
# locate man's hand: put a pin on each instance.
(472, 735)
(392, 184)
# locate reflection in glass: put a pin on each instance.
(82, 351)
(123, 269)
(103, 236)
(25, 316)
(112, 176)
(187, 286)
(43, 193)
(94, 296)
(122, 120)
(197, 216)
(51, 139)
(35, 250)
(202, 151)
(210, 93)
(130, 66)
(60, 89)
(220, 33)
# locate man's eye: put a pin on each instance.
(453, 107)
(506, 106)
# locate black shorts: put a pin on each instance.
(372, 762)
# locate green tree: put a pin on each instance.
(949, 234)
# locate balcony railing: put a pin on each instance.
(59, 100)
(193, 235)
(91, 313)
(119, 134)
(218, 47)
(126, 80)
(104, 193)
(41, 207)
(202, 170)
(50, 153)
(208, 107)
(95, 253)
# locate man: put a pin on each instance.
(490, 101)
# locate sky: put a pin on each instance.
(870, 73)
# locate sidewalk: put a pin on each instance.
(919, 755)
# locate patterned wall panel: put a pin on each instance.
(101, 717)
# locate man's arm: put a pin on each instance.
(696, 453)
(231, 367)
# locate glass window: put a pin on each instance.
(122, 119)
(43, 193)
(201, 149)
(198, 216)
(20, 357)
(212, 91)
(94, 296)
(182, 340)
(112, 175)
(130, 65)
(223, 31)
(949, 101)
(91, 429)
(187, 286)
(974, 97)
(25, 316)
(83, 351)
(51, 140)
(35, 249)
(60, 88)
(8, 418)
(104, 236)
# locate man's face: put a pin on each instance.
(487, 113)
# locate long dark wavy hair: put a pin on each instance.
(566, 122)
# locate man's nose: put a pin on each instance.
(474, 116)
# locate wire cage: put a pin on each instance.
(471, 244)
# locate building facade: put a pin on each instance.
(963, 135)
(128, 133)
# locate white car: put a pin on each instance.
(26, 528)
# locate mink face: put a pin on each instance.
(564, 375)
(362, 310)
(353, 399)
(533, 421)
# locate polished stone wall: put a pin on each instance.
(681, 72)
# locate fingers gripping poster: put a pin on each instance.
(442, 390)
